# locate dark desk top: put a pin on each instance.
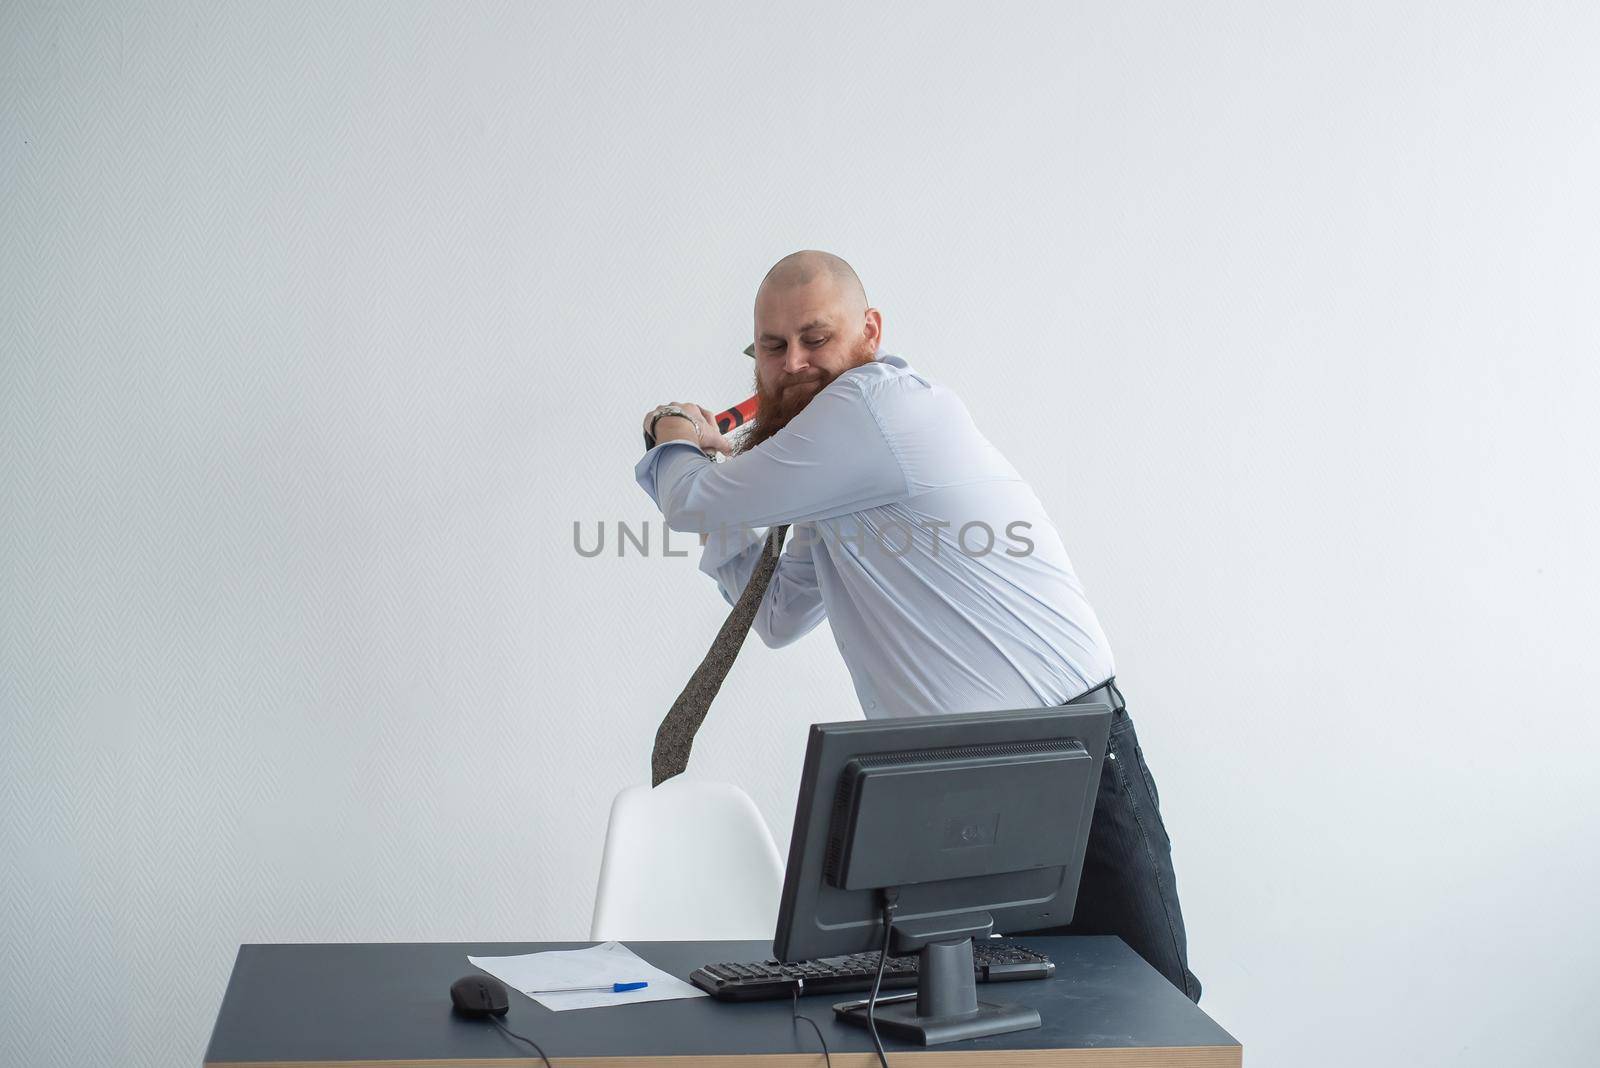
(389, 1004)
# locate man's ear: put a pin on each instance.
(874, 328)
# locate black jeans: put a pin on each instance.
(1128, 888)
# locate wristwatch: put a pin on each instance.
(672, 409)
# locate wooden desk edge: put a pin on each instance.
(1141, 1057)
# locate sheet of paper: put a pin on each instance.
(609, 962)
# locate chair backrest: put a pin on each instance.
(687, 860)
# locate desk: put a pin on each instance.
(387, 1005)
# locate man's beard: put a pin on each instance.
(791, 394)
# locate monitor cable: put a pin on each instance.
(891, 901)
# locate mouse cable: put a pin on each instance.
(891, 900)
(501, 1024)
(795, 991)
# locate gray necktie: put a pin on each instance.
(675, 736)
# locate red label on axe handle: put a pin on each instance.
(738, 415)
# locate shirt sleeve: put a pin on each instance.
(647, 470)
(792, 606)
(830, 460)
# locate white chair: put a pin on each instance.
(687, 860)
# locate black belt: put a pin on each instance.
(1105, 693)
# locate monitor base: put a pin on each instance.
(946, 1008)
(901, 1021)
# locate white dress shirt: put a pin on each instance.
(878, 475)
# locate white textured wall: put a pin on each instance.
(319, 327)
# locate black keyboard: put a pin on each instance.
(994, 960)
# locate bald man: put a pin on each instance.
(945, 583)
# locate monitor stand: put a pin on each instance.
(947, 1008)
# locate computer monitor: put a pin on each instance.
(967, 821)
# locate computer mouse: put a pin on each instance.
(479, 995)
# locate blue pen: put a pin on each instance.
(614, 988)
